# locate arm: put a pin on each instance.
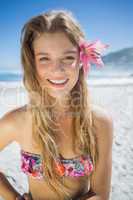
(9, 131)
(100, 181)
(7, 135)
(101, 178)
(6, 190)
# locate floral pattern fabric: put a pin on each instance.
(80, 166)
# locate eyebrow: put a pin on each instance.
(65, 52)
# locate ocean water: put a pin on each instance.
(8, 76)
(94, 76)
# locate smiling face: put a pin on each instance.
(56, 59)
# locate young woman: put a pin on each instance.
(66, 141)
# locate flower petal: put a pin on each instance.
(90, 52)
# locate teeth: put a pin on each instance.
(58, 81)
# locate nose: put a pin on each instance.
(57, 66)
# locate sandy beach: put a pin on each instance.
(116, 96)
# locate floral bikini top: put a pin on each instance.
(31, 164)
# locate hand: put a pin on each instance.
(24, 197)
(87, 195)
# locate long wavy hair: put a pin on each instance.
(44, 125)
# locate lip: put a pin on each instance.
(57, 78)
(58, 85)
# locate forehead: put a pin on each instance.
(53, 42)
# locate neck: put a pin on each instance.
(61, 112)
(62, 107)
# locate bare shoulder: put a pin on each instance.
(102, 121)
(103, 126)
(10, 125)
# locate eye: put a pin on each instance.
(44, 59)
(68, 59)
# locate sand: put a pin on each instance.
(114, 95)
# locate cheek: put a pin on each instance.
(74, 75)
(73, 65)
(41, 70)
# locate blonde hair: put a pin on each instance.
(44, 125)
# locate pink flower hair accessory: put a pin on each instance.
(90, 52)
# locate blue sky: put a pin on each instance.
(109, 21)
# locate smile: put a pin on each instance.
(58, 83)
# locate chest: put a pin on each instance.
(38, 188)
(65, 132)
(76, 188)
